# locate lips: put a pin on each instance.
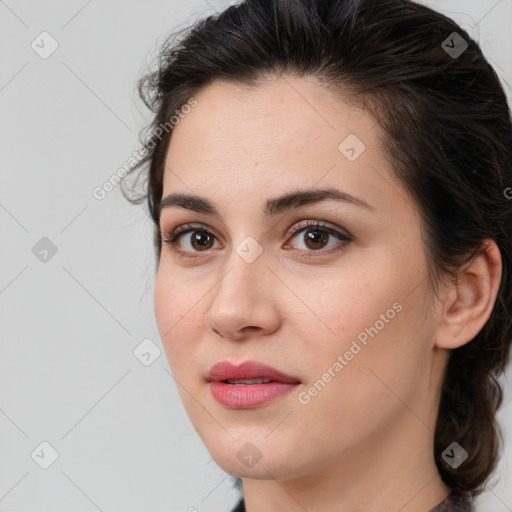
(249, 385)
(227, 371)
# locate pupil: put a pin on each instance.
(315, 236)
(198, 238)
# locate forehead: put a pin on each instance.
(257, 142)
(292, 110)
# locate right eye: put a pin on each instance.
(201, 239)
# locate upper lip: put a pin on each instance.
(225, 370)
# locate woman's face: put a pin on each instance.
(347, 315)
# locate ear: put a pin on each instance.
(470, 301)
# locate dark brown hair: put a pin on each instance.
(447, 133)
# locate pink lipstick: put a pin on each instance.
(249, 385)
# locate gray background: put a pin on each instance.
(69, 326)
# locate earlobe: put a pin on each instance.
(470, 300)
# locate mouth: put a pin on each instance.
(249, 385)
(246, 382)
(248, 373)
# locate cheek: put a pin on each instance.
(337, 307)
(370, 319)
(353, 387)
(166, 312)
(177, 315)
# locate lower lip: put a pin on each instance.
(248, 396)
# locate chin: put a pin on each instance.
(251, 456)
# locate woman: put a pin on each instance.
(333, 233)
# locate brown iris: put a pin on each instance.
(200, 237)
(317, 237)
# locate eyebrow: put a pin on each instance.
(273, 206)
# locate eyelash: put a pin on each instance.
(321, 226)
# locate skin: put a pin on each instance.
(373, 423)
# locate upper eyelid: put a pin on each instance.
(318, 223)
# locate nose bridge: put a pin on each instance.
(246, 266)
(241, 298)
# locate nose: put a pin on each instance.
(244, 303)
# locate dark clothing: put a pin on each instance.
(449, 504)
(454, 504)
(240, 506)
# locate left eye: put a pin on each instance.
(316, 235)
